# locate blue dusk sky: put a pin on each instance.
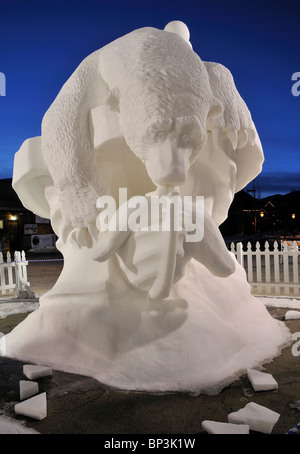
(42, 42)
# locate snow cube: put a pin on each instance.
(259, 418)
(292, 315)
(221, 428)
(28, 389)
(261, 381)
(35, 407)
(33, 372)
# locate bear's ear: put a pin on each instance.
(112, 100)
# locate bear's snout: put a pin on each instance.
(167, 164)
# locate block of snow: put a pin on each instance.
(292, 315)
(213, 427)
(261, 381)
(28, 389)
(35, 407)
(258, 418)
(33, 372)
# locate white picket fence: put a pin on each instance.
(269, 271)
(13, 274)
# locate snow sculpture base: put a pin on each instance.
(199, 340)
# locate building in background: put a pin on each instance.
(20, 229)
(272, 218)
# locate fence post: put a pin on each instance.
(239, 253)
(2, 274)
(286, 279)
(267, 267)
(9, 270)
(249, 262)
(232, 248)
(258, 265)
(17, 258)
(276, 267)
(24, 267)
(295, 268)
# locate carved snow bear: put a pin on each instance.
(181, 117)
(144, 310)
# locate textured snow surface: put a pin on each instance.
(199, 340)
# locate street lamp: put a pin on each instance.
(293, 215)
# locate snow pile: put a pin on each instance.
(199, 340)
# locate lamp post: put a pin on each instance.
(255, 212)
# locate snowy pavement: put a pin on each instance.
(291, 303)
(10, 427)
(8, 308)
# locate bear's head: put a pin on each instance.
(161, 91)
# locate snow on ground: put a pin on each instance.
(9, 307)
(291, 303)
(10, 426)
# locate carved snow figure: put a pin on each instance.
(144, 310)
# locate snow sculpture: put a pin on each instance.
(145, 309)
